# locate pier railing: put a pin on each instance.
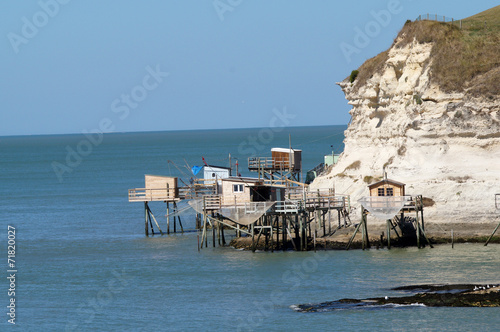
(169, 194)
(196, 191)
(287, 206)
(150, 194)
(212, 202)
(255, 163)
(327, 202)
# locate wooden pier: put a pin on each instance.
(294, 221)
(409, 219)
(165, 189)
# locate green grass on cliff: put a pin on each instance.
(466, 59)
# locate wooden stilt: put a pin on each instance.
(218, 234)
(254, 247)
(365, 226)
(204, 234)
(291, 238)
(168, 218)
(213, 233)
(324, 226)
(301, 231)
(353, 235)
(491, 236)
(180, 224)
(152, 215)
(266, 237)
(389, 223)
(363, 234)
(146, 227)
(148, 217)
(422, 213)
(418, 228)
(222, 235)
(307, 223)
(394, 228)
(284, 225)
(198, 221)
(329, 221)
(151, 224)
(314, 234)
(426, 238)
(253, 236)
(274, 228)
(296, 228)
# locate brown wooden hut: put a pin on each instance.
(387, 187)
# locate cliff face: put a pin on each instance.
(443, 145)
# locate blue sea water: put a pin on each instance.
(83, 261)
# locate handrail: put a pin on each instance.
(269, 163)
(152, 194)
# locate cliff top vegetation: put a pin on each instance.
(464, 58)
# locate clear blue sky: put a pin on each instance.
(70, 66)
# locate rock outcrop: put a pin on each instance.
(443, 145)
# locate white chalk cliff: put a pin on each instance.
(444, 146)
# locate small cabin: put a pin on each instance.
(238, 190)
(159, 188)
(387, 187)
(331, 159)
(215, 173)
(284, 158)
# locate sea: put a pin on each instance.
(80, 261)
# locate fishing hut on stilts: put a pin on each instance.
(388, 201)
(165, 189)
(274, 206)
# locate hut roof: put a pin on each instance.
(386, 181)
(221, 167)
(243, 179)
(285, 150)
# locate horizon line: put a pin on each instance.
(161, 131)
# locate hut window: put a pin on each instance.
(381, 191)
(390, 192)
(237, 188)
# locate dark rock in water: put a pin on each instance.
(461, 295)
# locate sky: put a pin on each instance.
(73, 66)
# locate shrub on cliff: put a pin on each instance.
(353, 76)
(466, 59)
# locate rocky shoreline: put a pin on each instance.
(461, 295)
